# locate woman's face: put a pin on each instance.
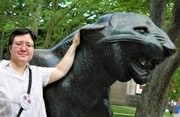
(22, 49)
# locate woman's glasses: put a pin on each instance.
(19, 44)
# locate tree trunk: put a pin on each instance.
(36, 16)
(49, 31)
(154, 96)
(158, 12)
(1, 51)
(51, 24)
(1, 45)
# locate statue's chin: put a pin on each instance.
(139, 73)
(141, 80)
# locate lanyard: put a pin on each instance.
(28, 90)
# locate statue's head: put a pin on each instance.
(133, 45)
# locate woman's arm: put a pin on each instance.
(65, 64)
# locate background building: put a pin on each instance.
(125, 93)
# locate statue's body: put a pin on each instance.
(111, 49)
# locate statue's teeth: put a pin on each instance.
(147, 63)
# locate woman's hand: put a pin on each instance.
(76, 39)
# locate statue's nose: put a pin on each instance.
(169, 50)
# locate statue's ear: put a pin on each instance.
(94, 32)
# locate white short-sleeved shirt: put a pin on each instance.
(13, 86)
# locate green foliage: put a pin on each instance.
(169, 8)
(174, 87)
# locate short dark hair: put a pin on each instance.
(22, 31)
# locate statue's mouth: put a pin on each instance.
(141, 66)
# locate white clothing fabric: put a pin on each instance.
(13, 86)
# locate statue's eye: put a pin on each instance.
(141, 30)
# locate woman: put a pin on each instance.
(20, 83)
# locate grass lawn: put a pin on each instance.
(122, 116)
(122, 111)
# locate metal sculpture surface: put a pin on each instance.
(119, 46)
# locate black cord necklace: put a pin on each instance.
(28, 91)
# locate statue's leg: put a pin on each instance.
(102, 109)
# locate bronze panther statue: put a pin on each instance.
(119, 46)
